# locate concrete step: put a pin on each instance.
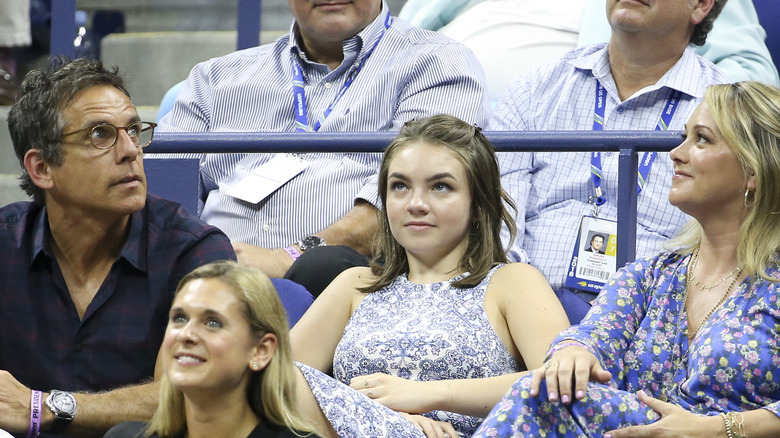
(166, 38)
(152, 62)
(197, 15)
(9, 189)
(188, 15)
(8, 162)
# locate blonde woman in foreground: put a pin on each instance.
(228, 371)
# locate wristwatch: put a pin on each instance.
(63, 405)
(310, 242)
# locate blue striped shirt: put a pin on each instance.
(412, 73)
(551, 189)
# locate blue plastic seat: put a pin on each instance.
(167, 101)
(295, 298)
(768, 15)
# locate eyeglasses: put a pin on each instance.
(104, 136)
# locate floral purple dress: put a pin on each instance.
(424, 332)
(637, 329)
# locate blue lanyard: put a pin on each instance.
(647, 158)
(301, 112)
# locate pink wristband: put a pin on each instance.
(35, 414)
(294, 253)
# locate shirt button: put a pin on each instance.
(328, 85)
(266, 227)
(620, 110)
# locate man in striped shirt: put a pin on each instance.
(345, 66)
(630, 83)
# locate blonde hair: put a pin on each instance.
(271, 391)
(488, 201)
(748, 116)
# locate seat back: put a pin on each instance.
(175, 179)
(167, 101)
(295, 298)
(769, 15)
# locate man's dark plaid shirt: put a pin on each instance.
(45, 345)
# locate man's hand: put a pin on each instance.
(14, 404)
(273, 262)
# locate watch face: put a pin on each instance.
(64, 402)
(310, 242)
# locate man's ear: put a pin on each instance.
(38, 169)
(701, 9)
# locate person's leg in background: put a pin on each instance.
(14, 32)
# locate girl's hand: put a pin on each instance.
(432, 428)
(397, 393)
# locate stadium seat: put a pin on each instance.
(768, 15)
(175, 179)
(295, 298)
(167, 101)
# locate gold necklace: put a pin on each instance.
(711, 287)
(691, 268)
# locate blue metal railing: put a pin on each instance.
(63, 26)
(626, 143)
(248, 24)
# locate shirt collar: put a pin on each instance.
(359, 44)
(676, 78)
(40, 240)
(134, 249)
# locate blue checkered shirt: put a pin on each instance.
(44, 343)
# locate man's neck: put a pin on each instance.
(638, 62)
(323, 52)
(83, 241)
(85, 248)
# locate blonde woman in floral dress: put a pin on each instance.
(683, 344)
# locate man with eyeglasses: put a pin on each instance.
(88, 269)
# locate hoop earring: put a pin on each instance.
(747, 195)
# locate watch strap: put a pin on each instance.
(59, 424)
